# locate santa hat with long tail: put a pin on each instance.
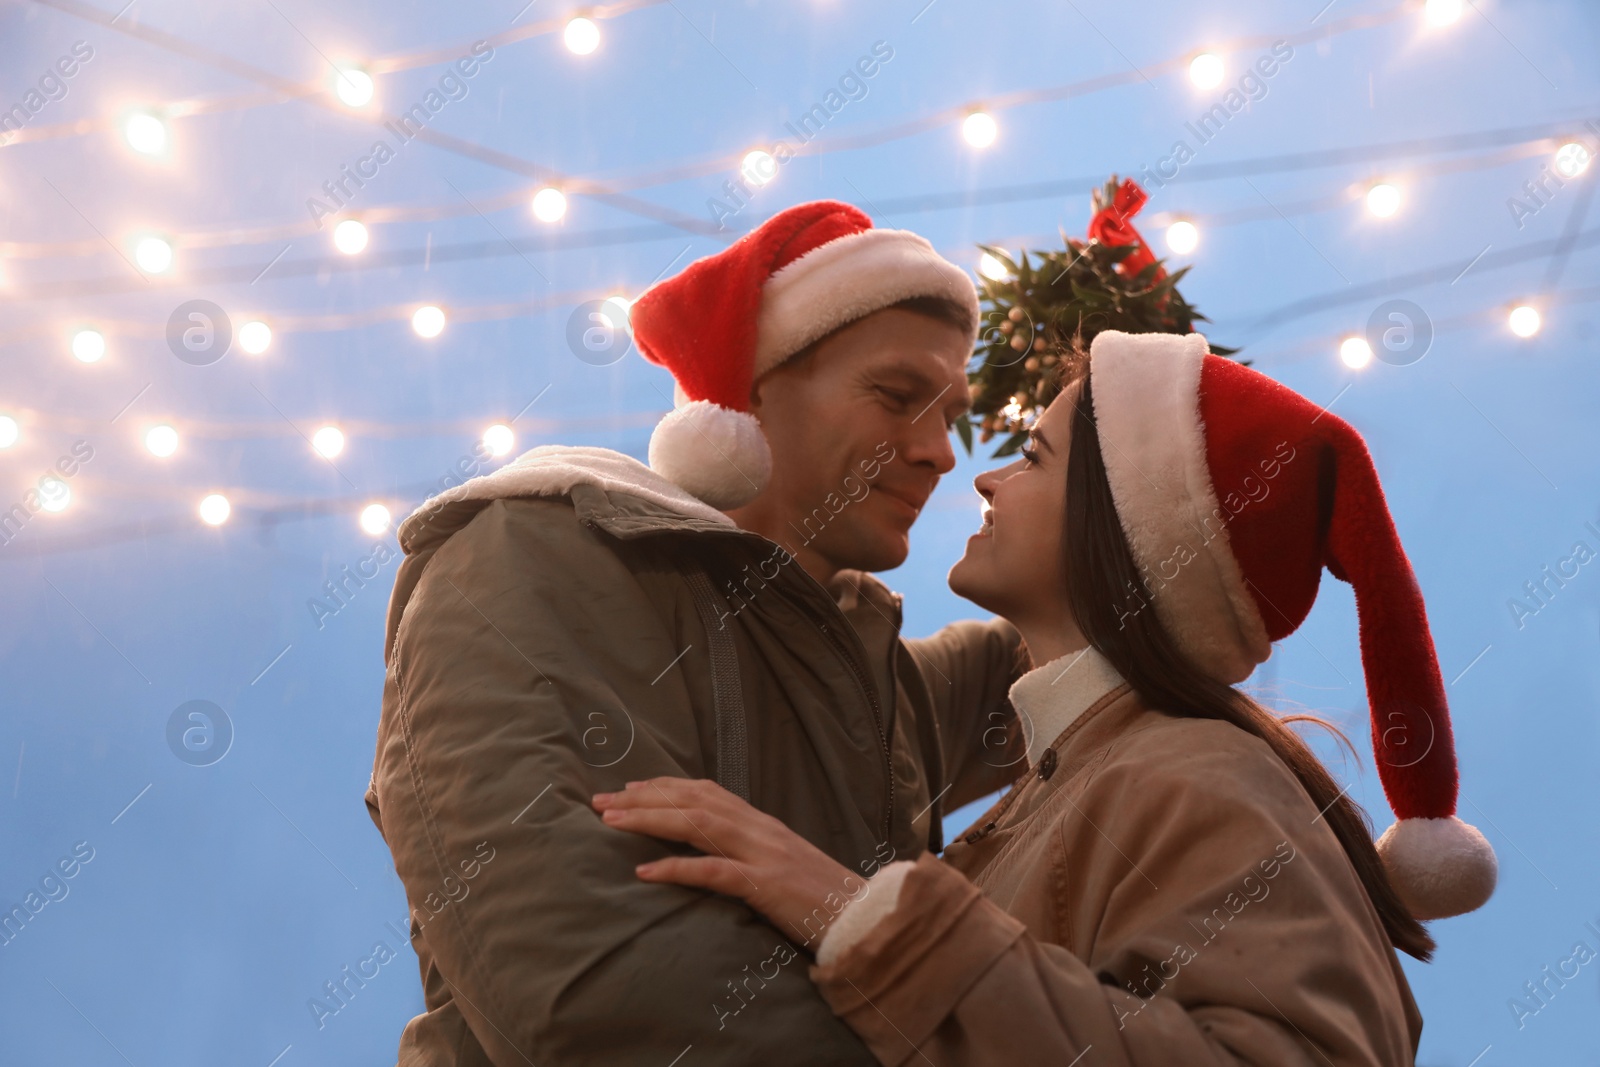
(731, 317)
(1235, 492)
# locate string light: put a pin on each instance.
(145, 133)
(1355, 352)
(88, 346)
(1442, 12)
(1524, 320)
(215, 509)
(621, 305)
(581, 36)
(549, 204)
(499, 439)
(375, 519)
(161, 440)
(1206, 70)
(9, 431)
(1183, 237)
(1383, 200)
(350, 236)
(353, 86)
(153, 254)
(990, 267)
(980, 129)
(54, 494)
(759, 167)
(428, 321)
(1572, 159)
(255, 337)
(328, 441)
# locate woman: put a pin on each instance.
(1176, 879)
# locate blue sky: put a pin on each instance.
(219, 898)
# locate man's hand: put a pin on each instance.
(749, 854)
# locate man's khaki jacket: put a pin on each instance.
(543, 644)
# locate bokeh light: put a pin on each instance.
(88, 346)
(1355, 352)
(1183, 237)
(1206, 70)
(1525, 320)
(581, 36)
(499, 439)
(161, 440)
(980, 129)
(350, 236)
(428, 321)
(375, 519)
(328, 441)
(215, 509)
(255, 337)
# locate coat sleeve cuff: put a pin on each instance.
(909, 970)
(863, 913)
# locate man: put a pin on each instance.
(577, 620)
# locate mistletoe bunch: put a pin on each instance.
(1051, 304)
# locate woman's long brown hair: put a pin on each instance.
(1101, 570)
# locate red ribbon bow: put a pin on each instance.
(1112, 226)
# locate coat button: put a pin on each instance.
(1047, 764)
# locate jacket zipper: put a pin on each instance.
(877, 721)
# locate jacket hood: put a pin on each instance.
(553, 471)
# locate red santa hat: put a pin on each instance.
(731, 317)
(1234, 492)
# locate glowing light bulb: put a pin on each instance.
(990, 267)
(54, 494)
(350, 237)
(88, 346)
(353, 86)
(1572, 160)
(581, 36)
(9, 431)
(153, 254)
(428, 321)
(215, 509)
(1524, 320)
(759, 167)
(375, 518)
(328, 441)
(499, 439)
(549, 204)
(1442, 12)
(161, 440)
(255, 337)
(980, 129)
(1206, 70)
(1355, 352)
(1383, 200)
(145, 133)
(1183, 237)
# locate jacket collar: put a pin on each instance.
(625, 496)
(1049, 699)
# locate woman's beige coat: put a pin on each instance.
(1160, 891)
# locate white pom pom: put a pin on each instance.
(715, 453)
(1440, 867)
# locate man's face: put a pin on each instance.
(859, 432)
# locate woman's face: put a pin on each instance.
(1016, 565)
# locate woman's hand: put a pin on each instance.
(749, 854)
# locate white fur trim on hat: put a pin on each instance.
(1440, 867)
(861, 914)
(1147, 406)
(715, 453)
(846, 279)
